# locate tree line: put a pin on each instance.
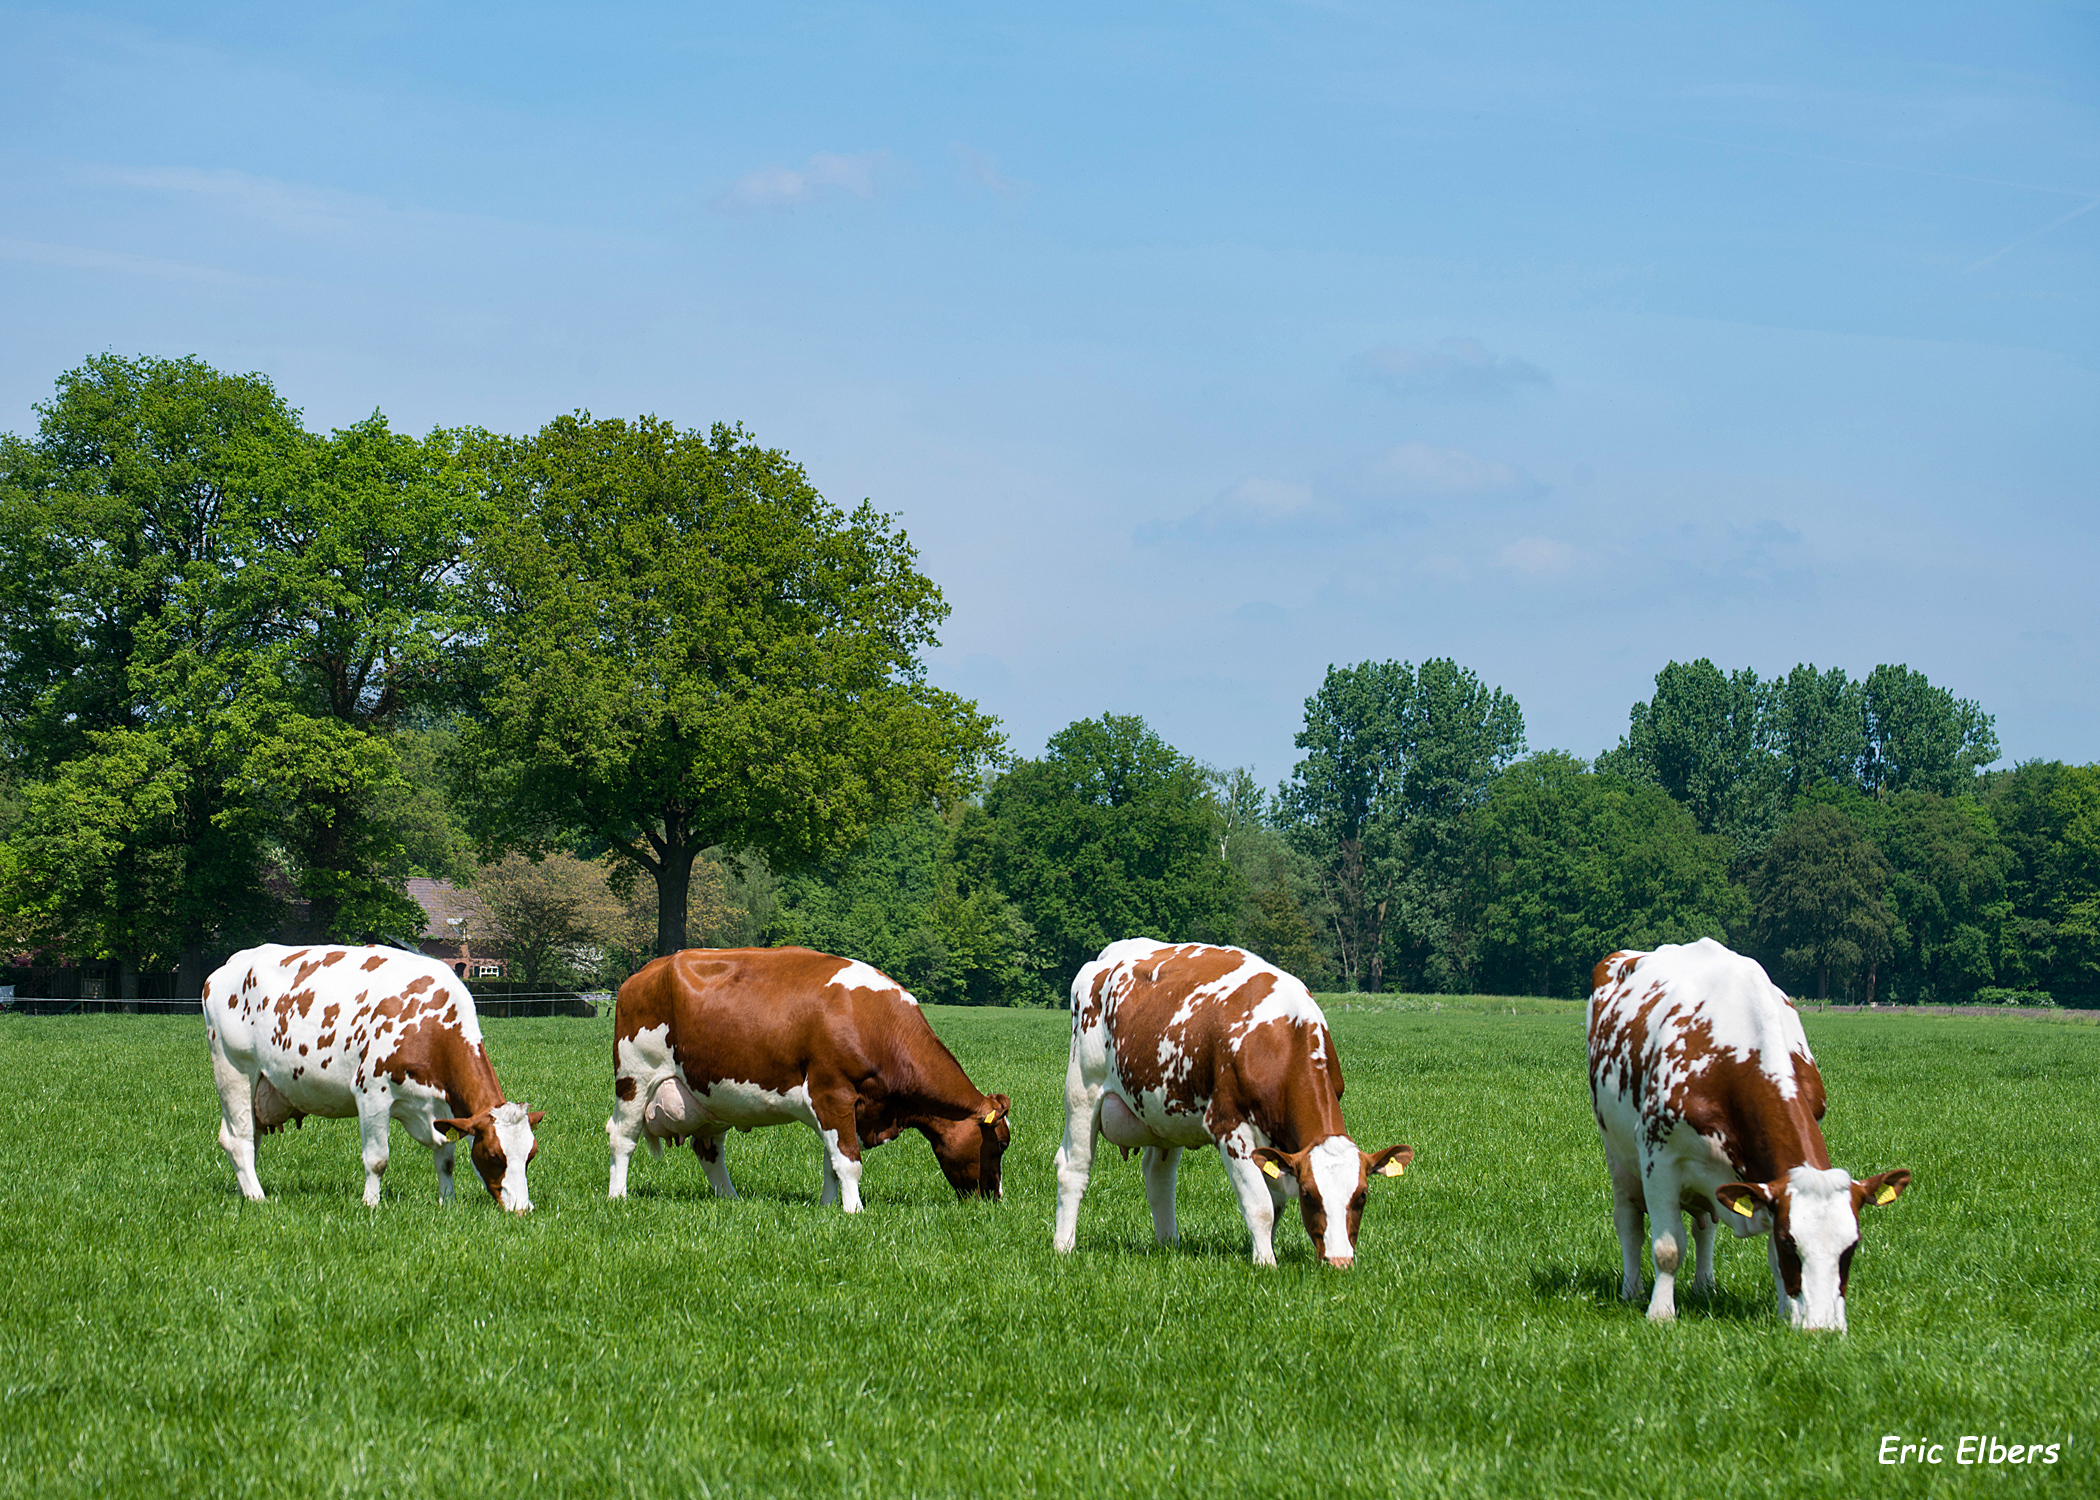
(641, 687)
(1844, 831)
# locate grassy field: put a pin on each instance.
(160, 1336)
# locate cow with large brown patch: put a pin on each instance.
(1180, 1045)
(711, 1040)
(1710, 1104)
(365, 1032)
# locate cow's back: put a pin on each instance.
(1167, 1027)
(321, 1020)
(764, 1016)
(1697, 1034)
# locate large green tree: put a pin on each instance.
(359, 570)
(2048, 814)
(1396, 758)
(1948, 870)
(1818, 729)
(1706, 739)
(901, 901)
(1921, 738)
(687, 646)
(187, 564)
(130, 635)
(1572, 865)
(1111, 834)
(1821, 899)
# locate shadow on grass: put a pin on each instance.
(1599, 1288)
(1200, 1244)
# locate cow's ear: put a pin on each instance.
(1390, 1162)
(457, 1127)
(1744, 1198)
(996, 1108)
(1882, 1189)
(533, 1119)
(1275, 1164)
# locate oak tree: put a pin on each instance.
(686, 646)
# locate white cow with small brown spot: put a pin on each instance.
(370, 1033)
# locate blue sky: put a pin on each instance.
(1197, 346)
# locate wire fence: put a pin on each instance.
(505, 1007)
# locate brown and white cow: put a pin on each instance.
(1708, 1099)
(1180, 1045)
(718, 1038)
(375, 1033)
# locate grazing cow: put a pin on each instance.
(710, 1039)
(371, 1032)
(1179, 1045)
(1703, 1086)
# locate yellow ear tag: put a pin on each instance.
(1742, 1206)
(992, 1118)
(1885, 1197)
(1391, 1169)
(1271, 1168)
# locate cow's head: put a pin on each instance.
(969, 1149)
(1328, 1178)
(1813, 1216)
(502, 1145)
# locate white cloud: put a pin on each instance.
(1537, 556)
(87, 258)
(856, 175)
(1396, 488)
(1456, 369)
(982, 169)
(1420, 469)
(1259, 499)
(291, 207)
(1255, 507)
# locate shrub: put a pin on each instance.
(1997, 995)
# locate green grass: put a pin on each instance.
(159, 1335)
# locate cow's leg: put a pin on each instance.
(1703, 1242)
(236, 1120)
(1075, 1154)
(709, 1149)
(1666, 1224)
(1258, 1202)
(836, 1125)
(1160, 1165)
(441, 1155)
(623, 1128)
(373, 1110)
(1627, 1211)
(423, 1133)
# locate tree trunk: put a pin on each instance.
(674, 880)
(1873, 972)
(128, 981)
(189, 979)
(1375, 960)
(1823, 981)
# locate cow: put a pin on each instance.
(1183, 1044)
(1708, 1100)
(375, 1033)
(715, 1038)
